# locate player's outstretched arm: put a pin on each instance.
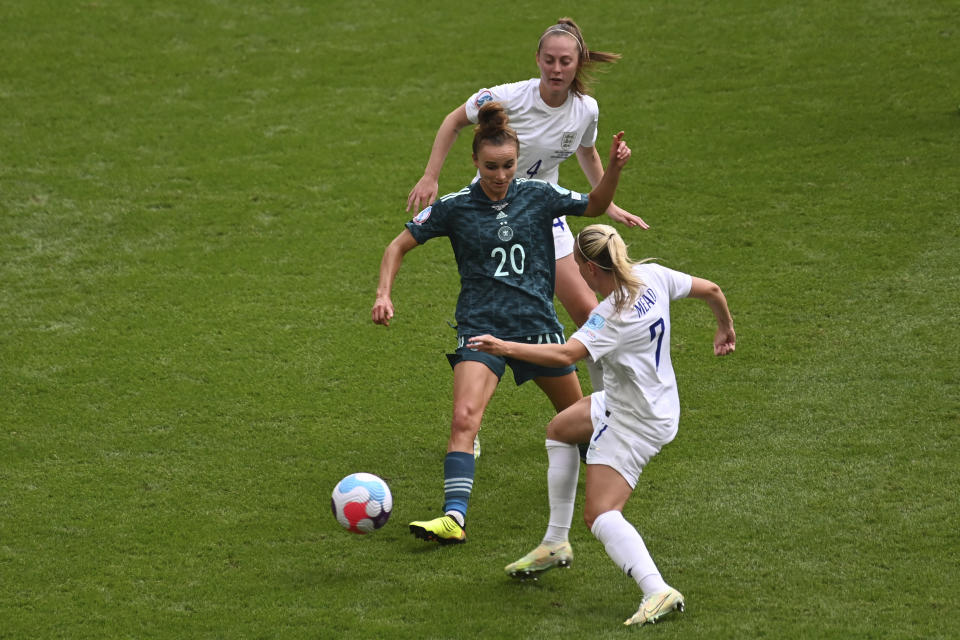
(546, 355)
(725, 339)
(602, 195)
(592, 167)
(382, 311)
(425, 191)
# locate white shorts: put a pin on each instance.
(562, 238)
(626, 450)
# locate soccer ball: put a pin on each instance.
(361, 503)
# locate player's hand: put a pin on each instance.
(625, 217)
(425, 192)
(724, 342)
(619, 152)
(487, 344)
(382, 311)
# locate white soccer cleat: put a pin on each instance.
(656, 606)
(543, 558)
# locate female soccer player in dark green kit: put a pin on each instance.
(501, 231)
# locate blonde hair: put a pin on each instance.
(493, 127)
(601, 245)
(582, 79)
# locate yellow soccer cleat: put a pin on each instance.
(543, 558)
(444, 530)
(656, 606)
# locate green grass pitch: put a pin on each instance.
(194, 199)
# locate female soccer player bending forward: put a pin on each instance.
(629, 421)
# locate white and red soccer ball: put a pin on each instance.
(361, 503)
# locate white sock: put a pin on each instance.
(456, 515)
(626, 548)
(562, 474)
(596, 375)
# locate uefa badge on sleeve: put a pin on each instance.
(423, 216)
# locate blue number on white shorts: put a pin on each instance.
(558, 223)
(600, 433)
(653, 334)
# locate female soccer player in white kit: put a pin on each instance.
(554, 119)
(628, 422)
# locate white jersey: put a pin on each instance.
(634, 349)
(548, 135)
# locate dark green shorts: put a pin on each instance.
(522, 370)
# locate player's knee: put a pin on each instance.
(466, 421)
(570, 428)
(591, 512)
(553, 430)
(589, 517)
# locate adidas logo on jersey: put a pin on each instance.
(501, 215)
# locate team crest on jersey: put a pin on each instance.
(423, 216)
(595, 322)
(567, 140)
(483, 97)
(505, 233)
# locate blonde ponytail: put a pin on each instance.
(601, 245)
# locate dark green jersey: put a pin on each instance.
(504, 253)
